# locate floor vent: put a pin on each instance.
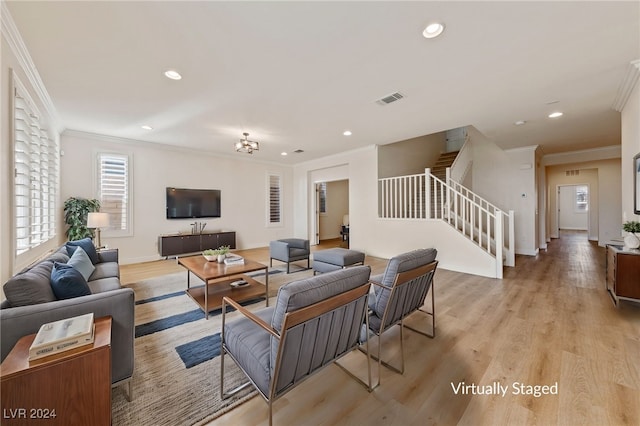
(390, 98)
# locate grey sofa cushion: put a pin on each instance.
(31, 287)
(400, 263)
(104, 284)
(105, 270)
(250, 346)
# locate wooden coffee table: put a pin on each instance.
(218, 277)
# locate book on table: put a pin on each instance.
(63, 335)
(234, 259)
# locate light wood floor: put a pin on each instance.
(548, 321)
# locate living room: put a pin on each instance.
(522, 177)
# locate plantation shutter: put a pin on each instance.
(113, 175)
(275, 199)
(36, 174)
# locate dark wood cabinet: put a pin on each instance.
(173, 245)
(623, 274)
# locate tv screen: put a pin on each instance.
(192, 203)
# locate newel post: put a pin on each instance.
(427, 192)
(499, 242)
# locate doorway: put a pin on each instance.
(573, 208)
(331, 208)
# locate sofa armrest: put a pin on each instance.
(279, 250)
(296, 243)
(108, 255)
(119, 304)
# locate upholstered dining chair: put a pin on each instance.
(289, 250)
(314, 322)
(399, 292)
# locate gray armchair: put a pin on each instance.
(399, 292)
(314, 322)
(289, 250)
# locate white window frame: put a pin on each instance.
(36, 177)
(126, 227)
(581, 206)
(270, 202)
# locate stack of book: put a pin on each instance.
(233, 259)
(63, 335)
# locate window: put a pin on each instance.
(322, 197)
(113, 192)
(582, 198)
(274, 182)
(36, 174)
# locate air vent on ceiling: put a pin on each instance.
(390, 98)
(298, 151)
(572, 172)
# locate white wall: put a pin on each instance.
(507, 179)
(410, 156)
(242, 182)
(630, 147)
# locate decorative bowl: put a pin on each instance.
(211, 257)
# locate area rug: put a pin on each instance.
(176, 379)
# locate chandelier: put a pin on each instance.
(247, 146)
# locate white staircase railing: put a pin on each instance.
(424, 196)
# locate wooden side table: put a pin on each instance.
(68, 388)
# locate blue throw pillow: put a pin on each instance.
(87, 246)
(67, 282)
(80, 260)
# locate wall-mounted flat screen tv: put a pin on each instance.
(192, 203)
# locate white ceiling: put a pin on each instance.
(295, 75)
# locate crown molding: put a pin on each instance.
(626, 86)
(16, 44)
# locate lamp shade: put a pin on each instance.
(97, 220)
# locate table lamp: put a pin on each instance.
(97, 220)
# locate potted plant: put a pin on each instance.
(222, 253)
(631, 240)
(216, 254)
(75, 216)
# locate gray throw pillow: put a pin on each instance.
(31, 287)
(80, 260)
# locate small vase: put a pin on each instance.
(221, 258)
(631, 241)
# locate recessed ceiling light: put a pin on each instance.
(347, 133)
(555, 114)
(433, 30)
(283, 153)
(147, 127)
(173, 74)
(520, 123)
